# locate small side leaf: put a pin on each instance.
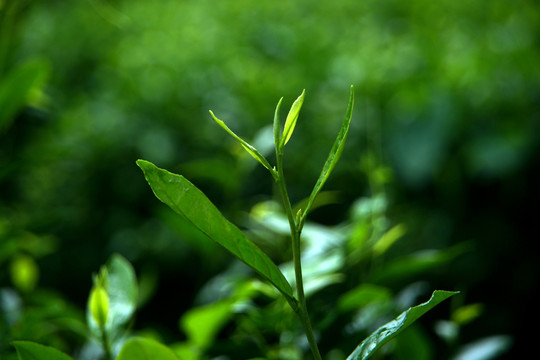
(290, 122)
(139, 348)
(27, 350)
(388, 331)
(188, 201)
(249, 148)
(335, 154)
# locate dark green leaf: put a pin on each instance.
(335, 154)
(139, 348)
(188, 201)
(411, 265)
(18, 86)
(388, 331)
(28, 350)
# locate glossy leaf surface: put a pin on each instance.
(335, 154)
(388, 331)
(188, 201)
(139, 348)
(27, 350)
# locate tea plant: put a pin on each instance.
(188, 201)
(113, 298)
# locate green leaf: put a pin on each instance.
(28, 350)
(277, 124)
(362, 296)
(201, 324)
(333, 157)
(249, 148)
(410, 265)
(388, 331)
(139, 348)
(188, 201)
(19, 86)
(119, 281)
(388, 239)
(290, 122)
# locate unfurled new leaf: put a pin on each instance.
(388, 331)
(290, 122)
(249, 148)
(188, 201)
(335, 154)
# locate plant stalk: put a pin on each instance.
(301, 310)
(106, 344)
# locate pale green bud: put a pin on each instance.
(99, 305)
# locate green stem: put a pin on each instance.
(106, 345)
(301, 310)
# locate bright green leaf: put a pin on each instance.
(249, 148)
(201, 324)
(388, 331)
(335, 154)
(188, 201)
(139, 348)
(467, 313)
(186, 351)
(388, 239)
(27, 350)
(292, 117)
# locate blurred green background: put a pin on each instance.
(444, 135)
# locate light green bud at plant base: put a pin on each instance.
(99, 305)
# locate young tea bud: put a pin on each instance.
(99, 305)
